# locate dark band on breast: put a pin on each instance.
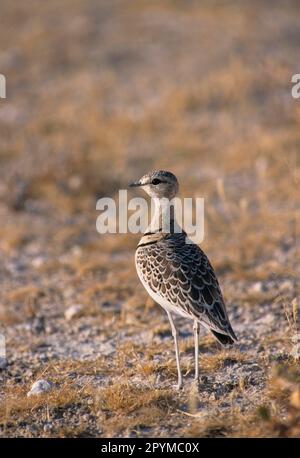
(153, 233)
(151, 242)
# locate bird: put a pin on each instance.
(176, 272)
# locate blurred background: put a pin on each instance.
(101, 92)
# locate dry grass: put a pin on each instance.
(97, 96)
(121, 397)
(278, 417)
(221, 359)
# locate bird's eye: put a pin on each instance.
(156, 181)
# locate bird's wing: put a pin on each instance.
(182, 274)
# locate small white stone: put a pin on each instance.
(287, 285)
(75, 182)
(48, 427)
(76, 250)
(38, 262)
(256, 287)
(296, 338)
(295, 353)
(39, 387)
(73, 311)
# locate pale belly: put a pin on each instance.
(163, 302)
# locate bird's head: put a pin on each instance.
(159, 184)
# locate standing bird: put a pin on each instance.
(176, 274)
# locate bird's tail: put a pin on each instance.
(225, 339)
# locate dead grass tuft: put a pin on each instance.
(127, 398)
(212, 363)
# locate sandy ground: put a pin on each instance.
(98, 93)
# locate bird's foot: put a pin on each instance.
(179, 385)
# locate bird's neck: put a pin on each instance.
(163, 219)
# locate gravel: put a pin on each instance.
(39, 387)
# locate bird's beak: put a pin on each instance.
(135, 184)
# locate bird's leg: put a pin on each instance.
(196, 328)
(174, 333)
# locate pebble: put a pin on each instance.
(48, 427)
(38, 261)
(256, 287)
(50, 329)
(287, 285)
(39, 387)
(38, 324)
(43, 357)
(295, 353)
(73, 312)
(3, 363)
(296, 338)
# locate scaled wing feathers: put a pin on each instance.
(182, 274)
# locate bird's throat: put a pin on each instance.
(163, 219)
